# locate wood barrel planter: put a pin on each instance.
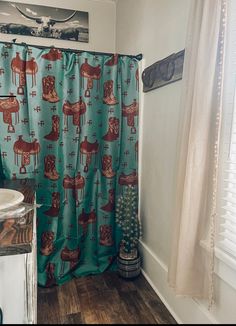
(129, 267)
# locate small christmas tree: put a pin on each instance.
(127, 219)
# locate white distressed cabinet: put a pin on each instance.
(18, 286)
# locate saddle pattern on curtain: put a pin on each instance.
(73, 127)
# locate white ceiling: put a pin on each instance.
(113, 1)
(107, 0)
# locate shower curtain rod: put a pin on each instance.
(138, 57)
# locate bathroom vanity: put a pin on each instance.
(18, 265)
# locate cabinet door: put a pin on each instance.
(12, 288)
(18, 286)
(31, 285)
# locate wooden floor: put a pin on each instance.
(103, 299)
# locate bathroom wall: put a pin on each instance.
(102, 15)
(157, 28)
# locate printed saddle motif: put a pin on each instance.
(23, 68)
(76, 183)
(88, 149)
(9, 106)
(130, 112)
(87, 218)
(77, 110)
(128, 180)
(89, 71)
(25, 150)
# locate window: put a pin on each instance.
(227, 216)
(226, 242)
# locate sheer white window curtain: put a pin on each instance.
(194, 216)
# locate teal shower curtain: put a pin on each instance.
(1, 170)
(73, 127)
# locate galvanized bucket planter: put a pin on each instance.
(129, 265)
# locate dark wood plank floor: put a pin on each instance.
(102, 299)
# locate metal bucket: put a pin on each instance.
(129, 268)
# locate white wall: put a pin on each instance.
(158, 28)
(102, 16)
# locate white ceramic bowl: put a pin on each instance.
(9, 198)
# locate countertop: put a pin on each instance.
(16, 235)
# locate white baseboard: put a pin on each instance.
(184, 310)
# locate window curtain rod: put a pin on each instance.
(138, 57)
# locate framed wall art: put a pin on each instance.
(44, 21)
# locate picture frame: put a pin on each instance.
(44, 21)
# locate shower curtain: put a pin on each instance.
(73, 127)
